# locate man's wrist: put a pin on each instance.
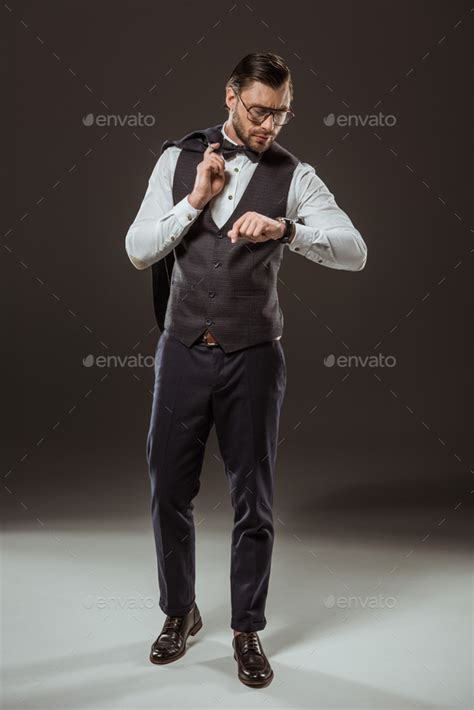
(288, 230)
(195, 202)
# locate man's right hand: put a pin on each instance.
(210, 178)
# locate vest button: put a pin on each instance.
(216, 264)
(208, 321)
(211, 294)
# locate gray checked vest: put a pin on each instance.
(209, 283)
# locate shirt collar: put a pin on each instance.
(226, 136)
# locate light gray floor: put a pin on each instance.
(354, 621)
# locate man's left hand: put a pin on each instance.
(256, 227)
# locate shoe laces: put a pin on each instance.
(250, 642)
(172, 623)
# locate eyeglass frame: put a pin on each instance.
(270, 112)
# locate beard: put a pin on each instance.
(246, 136)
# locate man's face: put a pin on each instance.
(259, 137)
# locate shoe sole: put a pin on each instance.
(192, 632)
(255, 684)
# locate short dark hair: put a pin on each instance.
(268, 68)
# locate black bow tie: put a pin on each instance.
(228, 149)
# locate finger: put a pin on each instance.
(238, 229)
(258, 228)
(214, 166)
(213, 160)
(253, 230)
(234, 232)
(217, 160)
(211, 150)
(246, 228)
(216, 170)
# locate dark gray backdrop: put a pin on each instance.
(366, 438)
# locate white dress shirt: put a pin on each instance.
(326, 236)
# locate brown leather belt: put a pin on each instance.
(208, 339)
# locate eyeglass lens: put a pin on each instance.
(259, 115)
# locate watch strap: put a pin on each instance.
(288, 229)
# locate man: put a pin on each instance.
(221, 206)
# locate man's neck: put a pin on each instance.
(229, 133)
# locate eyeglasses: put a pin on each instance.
(258, 114)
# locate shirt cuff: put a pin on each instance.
(185, 213)
(306, 238)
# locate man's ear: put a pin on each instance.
(229, 94)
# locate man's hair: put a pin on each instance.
(265, 67)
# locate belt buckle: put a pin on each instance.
(210, 344)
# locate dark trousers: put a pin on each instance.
(242, 393)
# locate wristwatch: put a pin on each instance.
(289, 229)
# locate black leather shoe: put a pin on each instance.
(171, 643)
(253, 666)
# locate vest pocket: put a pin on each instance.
(183, 284)
(247, 293)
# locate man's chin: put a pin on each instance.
(260, 145)
(261, 141)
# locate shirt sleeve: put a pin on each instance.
(324, 232)
(159, 225)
